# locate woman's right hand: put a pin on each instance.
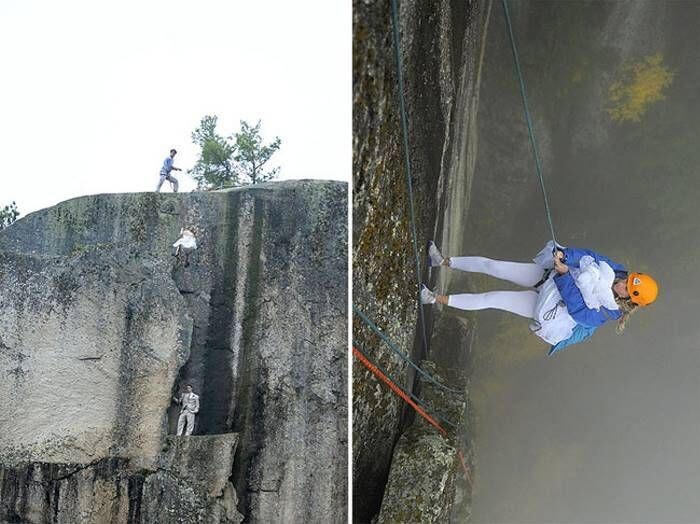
(559, 266)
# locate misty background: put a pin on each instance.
(606, 431)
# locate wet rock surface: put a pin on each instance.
(101, 326)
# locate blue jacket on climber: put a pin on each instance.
(587, 319)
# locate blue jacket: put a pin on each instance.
(167, 166)
(587, 319)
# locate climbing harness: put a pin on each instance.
(547, 272)
(552, 313)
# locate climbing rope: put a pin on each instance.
(407, 161)
(401, 393)
(401, 354)
(414, 238)
(396, 389)
(538, 166)
(414, 397)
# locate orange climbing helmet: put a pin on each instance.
(642, 288)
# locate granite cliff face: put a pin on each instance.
(441, 50)
(100, 327)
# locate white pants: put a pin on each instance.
(519, 302)
(185, 416)
(169, 178)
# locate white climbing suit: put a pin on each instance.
(189, 403)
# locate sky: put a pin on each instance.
(94, 94)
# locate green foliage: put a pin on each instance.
(642, 85)
(8, 214)
(251, 154)
(231, 161)
(214, 168)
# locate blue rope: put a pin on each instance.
(529, 121)
(404, 129)
(410, 394)
(400, 353)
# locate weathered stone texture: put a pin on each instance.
(99, 327)
(441, 46)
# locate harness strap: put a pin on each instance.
(547, 272)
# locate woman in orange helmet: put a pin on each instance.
(580, 291)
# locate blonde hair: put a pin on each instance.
(627, 307)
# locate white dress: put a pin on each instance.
(187, 241)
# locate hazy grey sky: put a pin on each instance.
(95, 93)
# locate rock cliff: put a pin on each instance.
(100, 327)
(441, 49)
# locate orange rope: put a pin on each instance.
(396, 389)
(466, 470)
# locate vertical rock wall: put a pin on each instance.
(100, 327)
(441, 46)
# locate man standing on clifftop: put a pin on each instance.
(165, 172)
(189, 407)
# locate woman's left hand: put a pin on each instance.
(559, 266)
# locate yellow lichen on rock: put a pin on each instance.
(641, 85)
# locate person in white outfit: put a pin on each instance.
(572, 291)
(189, 407)
(185, 245)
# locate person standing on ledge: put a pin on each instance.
(189, 407)
(165, 172)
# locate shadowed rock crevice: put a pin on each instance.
(218, 385)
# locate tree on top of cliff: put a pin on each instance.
(251, 154)
(214, 168)
(8, 214)
(231, 161)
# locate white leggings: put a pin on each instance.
(519, 302)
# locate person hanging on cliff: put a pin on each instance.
(165, 172)
(185, 245)
(575, 291)
(189, 407)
